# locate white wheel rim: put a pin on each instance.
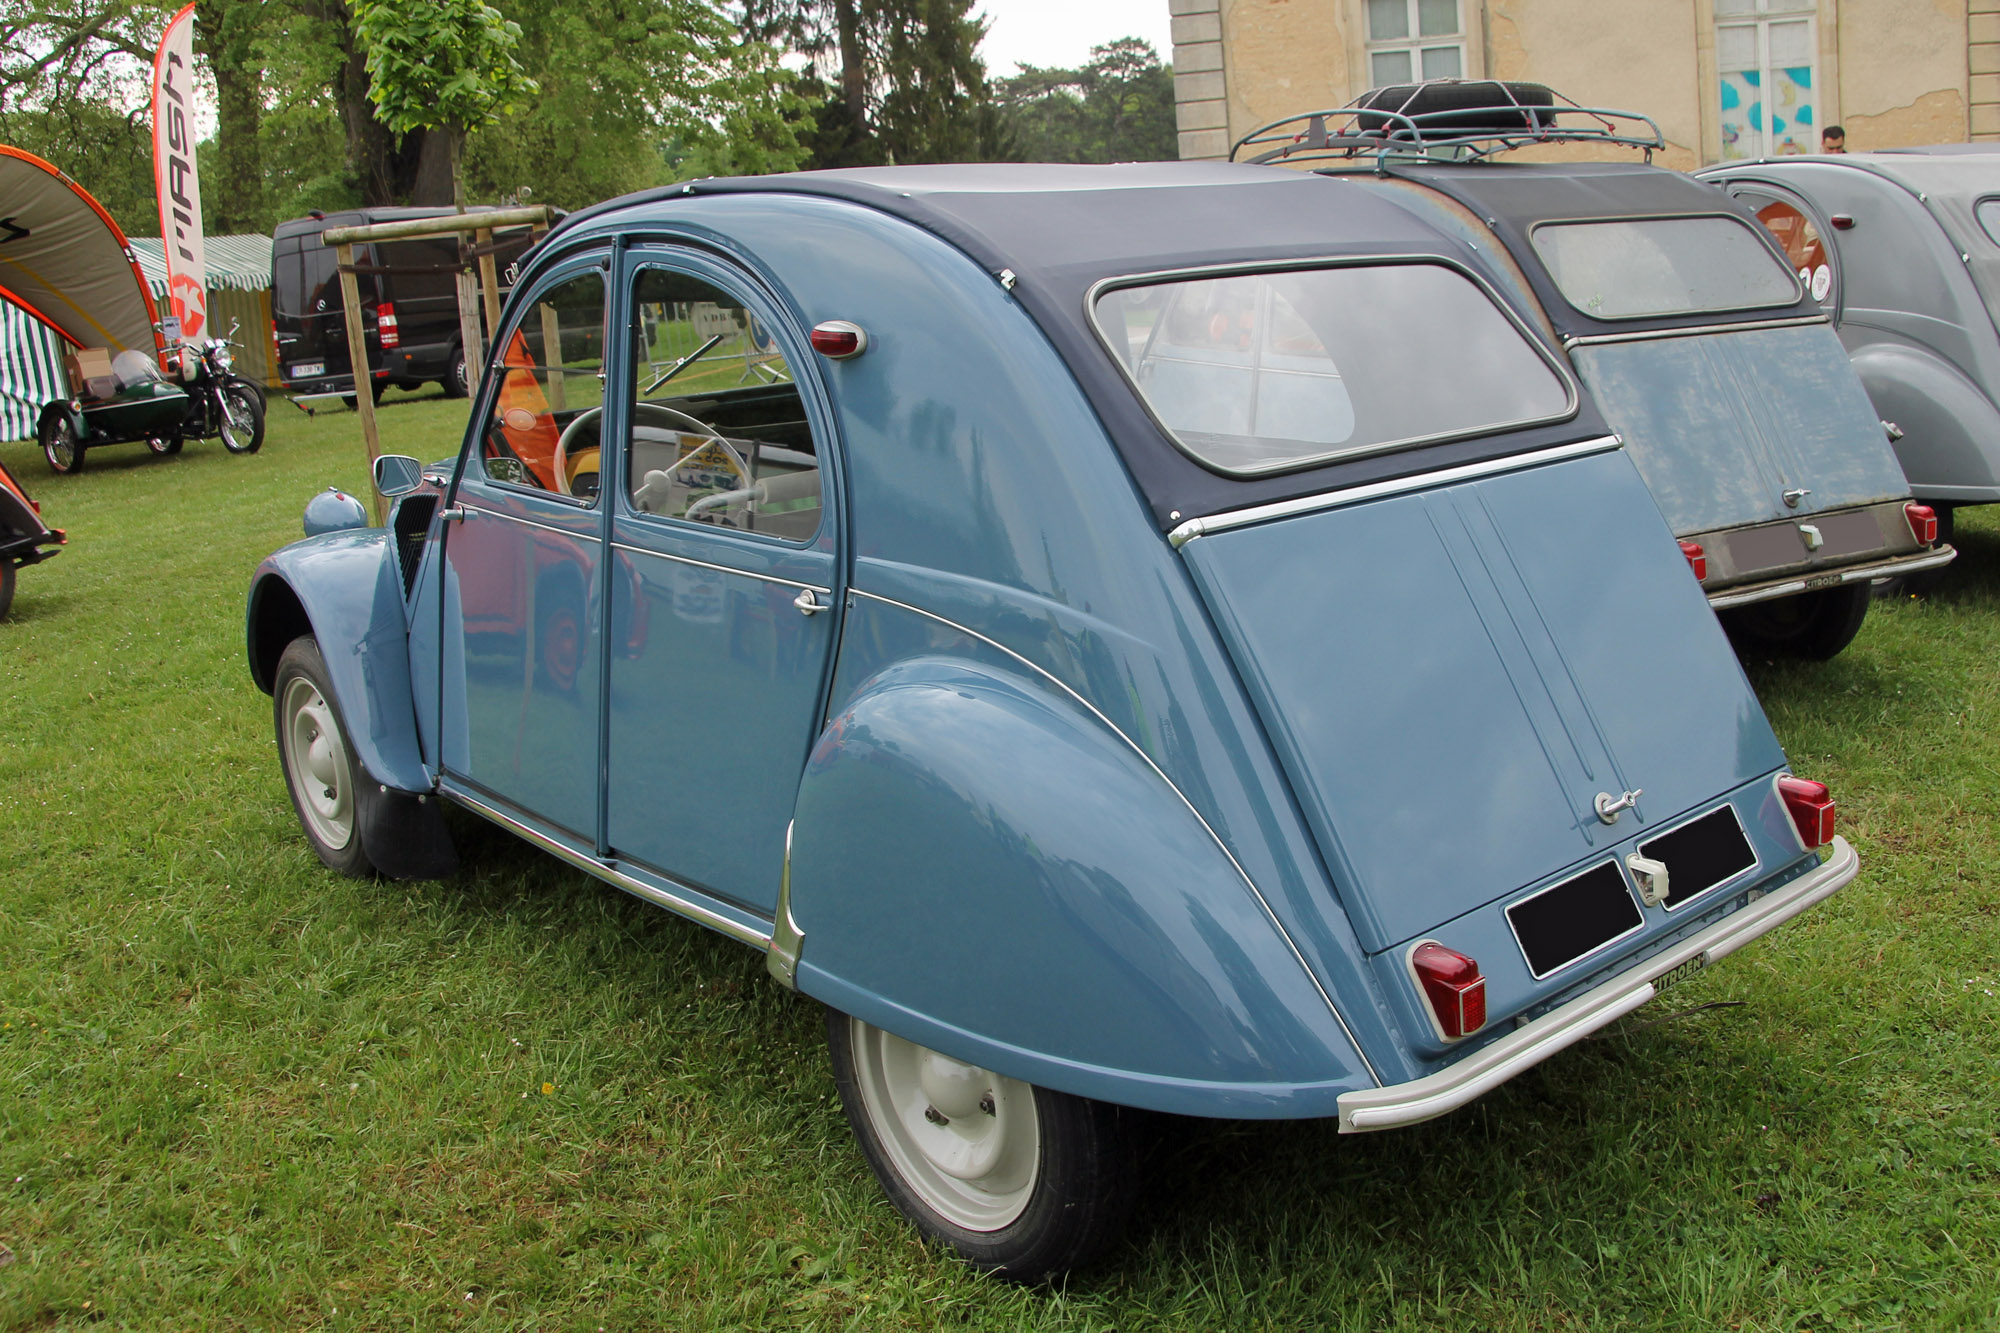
(964, 1139)
(238, 418)
(316, 764)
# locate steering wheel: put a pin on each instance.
(672, 416)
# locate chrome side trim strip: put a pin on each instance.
(1159, 772)
(1448, 1089)
(1724, 598)
(1655, 335)
(1375, 490)
(688, 908)
(720, 569)
(530, 523)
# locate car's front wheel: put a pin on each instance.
(1022, 1181)
(320, 769)
(1811, 625)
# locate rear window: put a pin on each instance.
(1988, 214)
(1635, 267)
(1261, 372)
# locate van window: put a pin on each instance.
(288, 278)
(719, 432)
(1630, 268)
(1260, 372)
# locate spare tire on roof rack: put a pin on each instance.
(1450, 109)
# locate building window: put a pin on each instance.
(1414, 39)
(1764, 61)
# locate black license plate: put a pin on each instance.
(1564, 922)
(1701, 854)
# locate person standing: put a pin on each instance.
(1833, 139)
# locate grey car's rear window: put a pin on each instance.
(1259, 372)
(1630, 268)
(1988, 213)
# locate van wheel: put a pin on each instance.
(1812, 625)
(1023, 1182)
(320, 771)
(455, 383)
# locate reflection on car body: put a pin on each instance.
(1086, 745)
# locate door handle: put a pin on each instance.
(457, 513)
(808, 602)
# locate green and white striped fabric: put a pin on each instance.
(31, 372)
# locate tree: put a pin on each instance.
(1118, 108)
(441, 65)
(912, 87)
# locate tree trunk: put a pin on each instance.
(385, 169)
(853, 64)
(224, 32)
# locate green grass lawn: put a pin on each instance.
(238, 1092)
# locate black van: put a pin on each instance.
(409, 315)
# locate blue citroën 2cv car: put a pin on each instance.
(1147, 636)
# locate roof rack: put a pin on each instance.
(1452, 120)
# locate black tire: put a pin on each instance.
(7, 573)
(324, 779)
(242, 424)
(455, 384)
(1066, 1210)
(60, 444)
(1814, 626)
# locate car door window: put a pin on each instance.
(541, 427)
(718, 433)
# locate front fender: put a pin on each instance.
(343, 589)
(1951, 430)
(982, 867)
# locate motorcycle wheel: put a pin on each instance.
(60, 445)
(242, 418)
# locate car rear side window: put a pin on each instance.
(1632, 268)
(1988, 213)
(1262, 372)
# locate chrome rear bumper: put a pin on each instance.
(1424, 1098)
(1744, 594)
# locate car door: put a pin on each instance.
(520, 675)
(1802, 233)
(723, 598)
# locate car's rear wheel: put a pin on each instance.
(320, 771)
(1022, 1181)
(1811, 625)
(7, 573)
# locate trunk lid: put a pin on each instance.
(1722, 425)
(1450, 676)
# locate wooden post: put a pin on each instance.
(364, 388)
(489, 281)
(468, 329)
(552, 359)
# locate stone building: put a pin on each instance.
(1723, 78)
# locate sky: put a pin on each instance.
(1061, 32)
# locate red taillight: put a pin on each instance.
(1811, 808)
(385, 325)
(1923, 522)
(1697, 559)
(839, 339)
(1453, 988)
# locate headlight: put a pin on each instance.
(224, 359)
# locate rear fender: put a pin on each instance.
(1951, 430)
(343, 588)
(981, 866)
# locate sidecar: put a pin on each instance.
(1169, 636)
(67, 263)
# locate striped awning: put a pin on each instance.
(239, 262)
(31, 373)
